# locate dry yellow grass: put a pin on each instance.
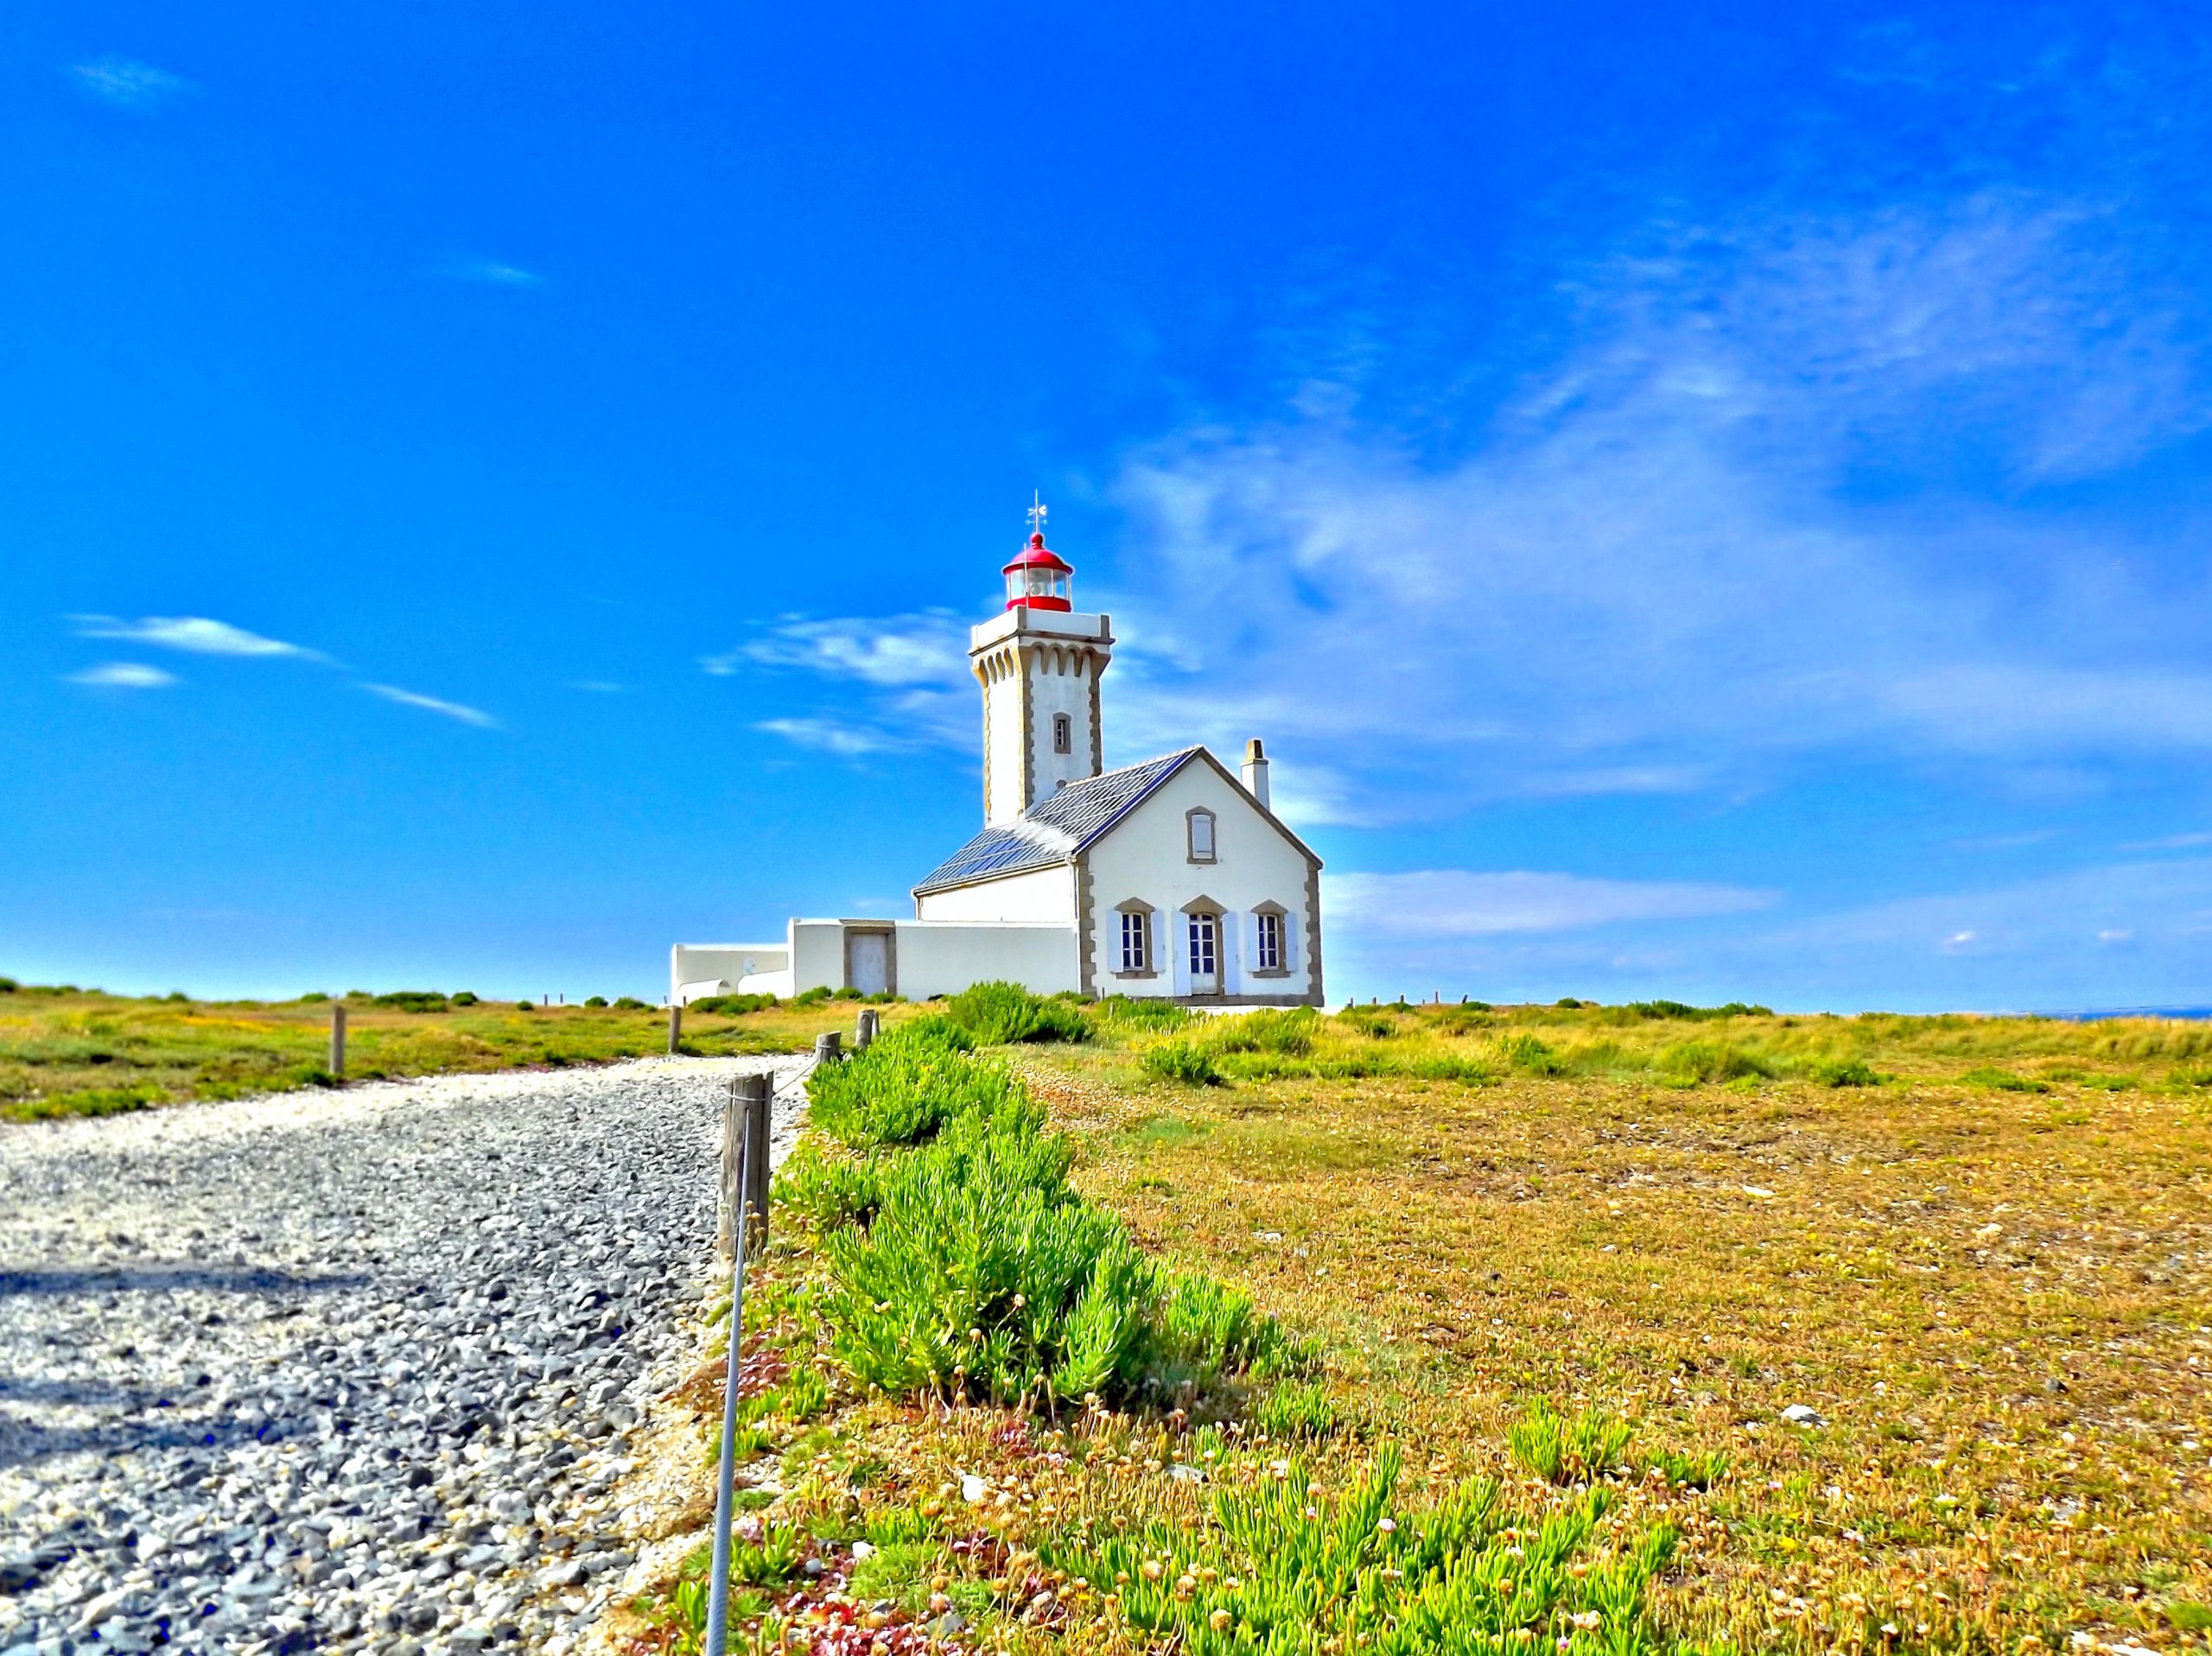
(1997, 1301)
(72, 1052)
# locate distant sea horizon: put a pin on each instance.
(2097, 1014)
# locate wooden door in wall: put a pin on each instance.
(871, 962)
(1205, 954)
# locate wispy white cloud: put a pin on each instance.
(1461, 903)
(2051, 918)
(124, 675)
(1617, 779)
(928, 648)
(903, 679)
(1657, 569)
(495, 273)
(2004, 709)
(833, 736)
(444, 709)
(194, 633)
(2105, 935)
(127, 83)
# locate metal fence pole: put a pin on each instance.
(338, 1041)
(748, 1098)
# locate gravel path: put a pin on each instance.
(343, 1371)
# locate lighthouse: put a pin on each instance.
(1038, 662)
(1171, 878)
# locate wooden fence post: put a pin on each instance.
(732, 1171)
(752, 1097)
(675, 1027)
(864, 1030)
(826, 1048)
(338, 1041)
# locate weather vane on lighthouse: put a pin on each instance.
(1037, 513)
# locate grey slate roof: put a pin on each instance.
(1054, 830)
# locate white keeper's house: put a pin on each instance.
(1174, 878)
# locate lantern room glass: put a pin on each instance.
(1034, 582)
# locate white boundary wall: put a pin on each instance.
(943, 957)
(929, 957)
(700, 970)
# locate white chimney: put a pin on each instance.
(1255, 772)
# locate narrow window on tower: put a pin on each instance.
(1063, 734)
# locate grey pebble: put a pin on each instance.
(305, 1371)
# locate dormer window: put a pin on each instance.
(1199, 827)
(1063, 734)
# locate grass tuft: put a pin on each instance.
(1561, 1449)
(1180, 1059)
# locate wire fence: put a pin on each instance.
(747, 1129)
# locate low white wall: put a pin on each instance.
(943, 957)
(929, 957)
(696, 969)
(817, 955)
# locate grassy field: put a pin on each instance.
(68, 1052)
(1902, 1327)
(1989, 1276)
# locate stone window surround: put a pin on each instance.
(1282, 951)
(1191, 835)
(1202, 905)
(1137, 906)
(1212, 910)
(1063, 734)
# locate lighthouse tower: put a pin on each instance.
(1040, 661)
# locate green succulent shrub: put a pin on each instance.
(1281, 1570)
(1561, 1449)
(737, 1006)
(997, 1013)
(962, 1263)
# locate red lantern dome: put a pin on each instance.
(1037, 580)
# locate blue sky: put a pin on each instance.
(1709, 503)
